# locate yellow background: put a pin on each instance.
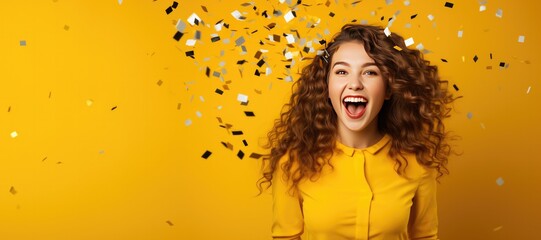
(79, 168)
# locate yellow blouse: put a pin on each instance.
(361, 198)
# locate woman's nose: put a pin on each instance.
(355, 83)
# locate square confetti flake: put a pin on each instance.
(409, 42)
(289, 16)
(242, 98)
(499, 181)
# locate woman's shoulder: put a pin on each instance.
(414, 168)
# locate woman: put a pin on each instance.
(358, 148)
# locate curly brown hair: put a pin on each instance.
(413, 116)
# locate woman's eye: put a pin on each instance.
(370, 72)
(340, 72)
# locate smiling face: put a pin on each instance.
(357, 91)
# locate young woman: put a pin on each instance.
(358, 148)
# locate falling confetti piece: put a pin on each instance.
(12, 190)
(245, 142)
(169, 223)
(520, 39)
(198, 113)
(66, 27)
(237, 132)
(497, 228)
(14, 134)
(455, 87)
(207, 154)
(239, 41)
(188, 122)
(290, 38)
(409, 42)
(387, 31)
(499, 13)
(499, 181)
(43, 160)
(22, 43)
(430, 17)
(482, 8)
(475, 58)
(160, 82)
(240, 154)
(483, 126)
(242, 98)
(255, 155)
(119, 2)
(528, 91)
(460, 33)
(289, 16)
(113, 108)
(181, 26)
(406, 3)
(227, 145)
(89, 102)
(191, 42)
(469, 115)
(237, 15)
(449, 5)
(178, 35)
(249, 114)
(194, 19)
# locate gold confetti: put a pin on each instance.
(497, 228)
(398, 48)
(89, 102)
(14, 134)
(12, 190)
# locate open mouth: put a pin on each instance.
(355, 106)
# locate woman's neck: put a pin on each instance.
(361, 139)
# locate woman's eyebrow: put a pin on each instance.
(348, 65)
(341, 63)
